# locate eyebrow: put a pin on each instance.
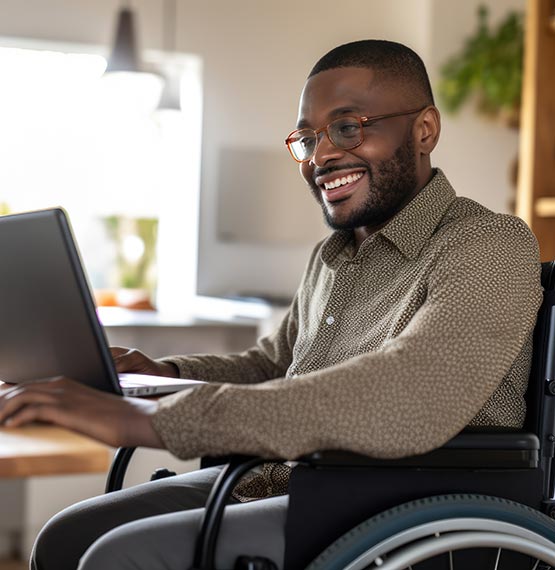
(335, 114)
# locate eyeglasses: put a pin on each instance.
(345, 133)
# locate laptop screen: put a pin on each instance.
(48, 322)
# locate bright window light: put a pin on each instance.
(73, 138)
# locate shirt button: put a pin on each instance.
(330, 320)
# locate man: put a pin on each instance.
(412, 321)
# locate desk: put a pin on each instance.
(29, 501)
(42, 449)
(48, 450)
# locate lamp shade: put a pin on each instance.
(124, 51)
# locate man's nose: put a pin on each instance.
(325, 150)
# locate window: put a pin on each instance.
(68, 138)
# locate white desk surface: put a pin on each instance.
(203, 311)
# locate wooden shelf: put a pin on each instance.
(536, 192)
(545, 207)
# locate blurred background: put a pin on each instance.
(229, 213)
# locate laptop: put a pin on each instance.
(48, 321)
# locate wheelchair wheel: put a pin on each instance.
(447, 532)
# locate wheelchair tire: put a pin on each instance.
(416, 531)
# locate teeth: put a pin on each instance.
(342, 181)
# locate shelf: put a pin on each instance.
(545, 207)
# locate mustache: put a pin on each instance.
(322, 171)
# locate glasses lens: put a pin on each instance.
(302, 144)
(345, 133)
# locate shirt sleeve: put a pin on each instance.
(270, 358)
(408, 398)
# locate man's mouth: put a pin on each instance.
(343, 181)
(339, 188)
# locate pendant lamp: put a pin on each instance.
(124, 50)
(125, 73)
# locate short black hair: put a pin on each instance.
(391, 60)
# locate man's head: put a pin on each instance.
(373, 168)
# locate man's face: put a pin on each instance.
(367, 185)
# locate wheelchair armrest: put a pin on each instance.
(120, 462)
(469, 449)
(221, 491)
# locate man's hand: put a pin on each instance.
(131, 360)
(111, 419)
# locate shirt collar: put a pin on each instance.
(408, 231)
(413, 226)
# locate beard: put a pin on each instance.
(391, 184)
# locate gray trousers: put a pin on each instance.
(154, 526)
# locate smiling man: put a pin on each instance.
(380, 176)
(413, 320)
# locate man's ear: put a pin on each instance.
(427, 129)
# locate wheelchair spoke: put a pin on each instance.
(542, 567)
(451, 563)
(497, 559)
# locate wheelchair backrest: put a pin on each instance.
(540, 396)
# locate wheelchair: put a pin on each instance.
(485, 500)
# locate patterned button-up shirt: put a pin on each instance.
(390, 350)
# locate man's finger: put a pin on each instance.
(17, 401)
(26, 415)
(46, 385)
(131, 361)
(119, 350)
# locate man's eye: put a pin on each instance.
(348, 129)
(305, 142)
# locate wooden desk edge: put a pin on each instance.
(37, 450)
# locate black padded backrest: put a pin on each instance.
(540, 396)
(543, 351)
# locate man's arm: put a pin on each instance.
(126, 422)
(270, 358)
(116, 421)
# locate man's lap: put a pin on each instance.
(69, 534)
(167, 541)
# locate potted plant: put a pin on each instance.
(488, 70)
